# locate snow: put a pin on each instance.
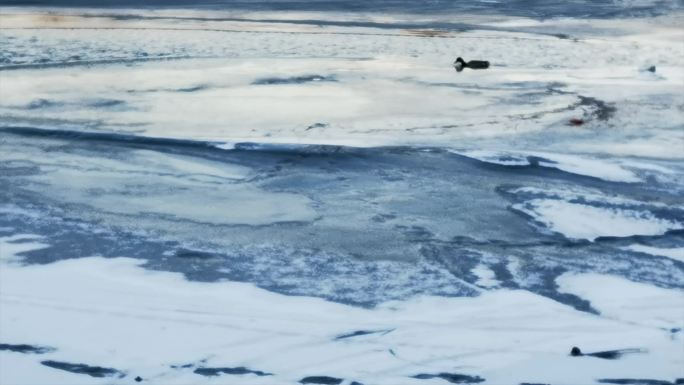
(606, 169)
(627, 301)
(16, 244)
(486, 277)
(142, 322)
(581, 221)
(676, 253)
(196, 77)
(580, 213)
(394, 86)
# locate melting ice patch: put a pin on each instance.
(589, 215)
(142, 187)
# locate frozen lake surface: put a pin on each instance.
(527, 8)
(230, 193)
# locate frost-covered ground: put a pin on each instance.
(250, 196)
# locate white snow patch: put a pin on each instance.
(588, 165)
(676, 253)
(580, 221)
(13, 245)
(485, 276)
(575, 193)
(626, 301)
(597, 168)
(403, 91)
(226, 145)
(113, 313)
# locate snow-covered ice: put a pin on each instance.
(576, 164)
(146, 323)
(391, 86)
(230, 192)
(584, 221)
(626, 301)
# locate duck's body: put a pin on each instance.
(460, 64)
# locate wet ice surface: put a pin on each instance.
(359, 226)
(465, 232)
(356, 226)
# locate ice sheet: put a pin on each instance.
(146, 245)
(191, 77)
(504, 335)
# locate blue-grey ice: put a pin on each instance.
(276, 192)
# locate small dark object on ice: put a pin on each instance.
(211, 372)
(460, 64)
(651, 69)
(451, 377)
(27, 349)
(92, 371)
(634, 381)
(576, 122)
(323, 380)
(606, 355)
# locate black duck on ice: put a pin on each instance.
(460, 64)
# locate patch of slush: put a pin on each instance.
(187, 166)
(342, 278)
(156, 320)
(157, 184)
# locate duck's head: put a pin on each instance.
(459, 64)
